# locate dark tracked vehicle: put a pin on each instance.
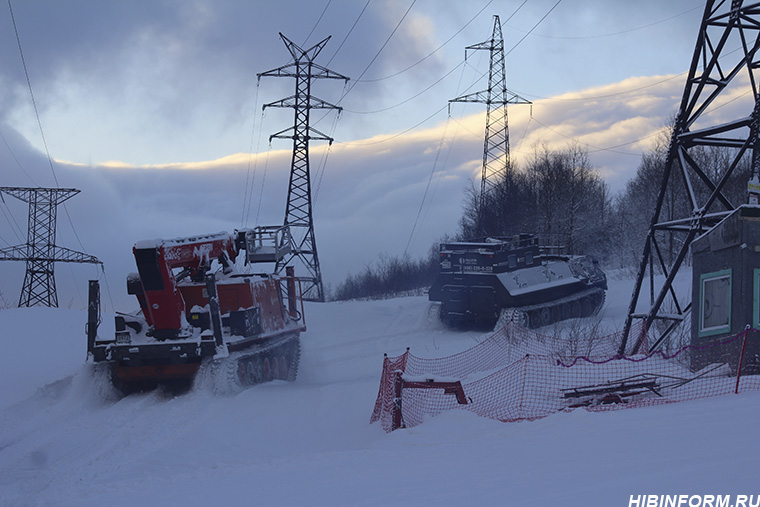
(481, 281)
(200, 315)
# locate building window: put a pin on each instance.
(715, 303)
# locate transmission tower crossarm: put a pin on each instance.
(309, 137)
(480, 97)
(14, 253)
(25, 193)
(63, 254)
(292, 101)
(298, 53)
(488, 45)
(685, 224)
(484, 97)
(292, 69)
(692, 137)
(55, 254)
(495, 42)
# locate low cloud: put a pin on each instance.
(369, 196)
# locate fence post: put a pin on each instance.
(741, 361)
(520, 407)
(398, 385)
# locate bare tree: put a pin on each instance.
(557, 196)
(3, 302)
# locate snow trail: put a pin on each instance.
(310, 442)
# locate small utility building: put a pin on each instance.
(726, 280)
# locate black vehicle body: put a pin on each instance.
(479, 281)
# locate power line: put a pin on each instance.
(464, 62)
(108, 287)
(529, 32)
(436, 49)
(581, 37)
(372, 61)
(423, 59)
(449, 72)
(39, 121)
(616, 94)
(12, 221)
(410, 98)
(612, 149)
(596, 148)
(317, 23)
(420, 61)
(534, 27)
(432, 172)
(386, 139)
(31, 93)
(427, 187)
(263, 180)
(248, 194)
(323, 162)
(10, 150)
(40, 252)
(349, 33)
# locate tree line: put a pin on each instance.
(559, 196)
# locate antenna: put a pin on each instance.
(298, 212)
(40, 251)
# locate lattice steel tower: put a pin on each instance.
(40, 251)
(496, 163)
(298, 212)
(726, 51)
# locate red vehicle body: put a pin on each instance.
(246, 324)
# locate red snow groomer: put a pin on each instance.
(198, 313)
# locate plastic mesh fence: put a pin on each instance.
(516, 374)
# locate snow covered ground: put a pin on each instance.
(310, 442)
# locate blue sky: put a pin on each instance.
(153, 109)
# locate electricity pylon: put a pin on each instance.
(40, 251)
(496, 163)
(726, 48)
(298, 212)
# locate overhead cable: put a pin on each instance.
(534, 27)
(317, 23)
(39, 122)
(436, 49)
(581, 37)
(349, 32)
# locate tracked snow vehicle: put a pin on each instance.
(236, 328)
(512, 278)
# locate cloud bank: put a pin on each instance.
(369, 195)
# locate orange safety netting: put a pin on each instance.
(516, 374)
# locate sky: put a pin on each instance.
(153, 110)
